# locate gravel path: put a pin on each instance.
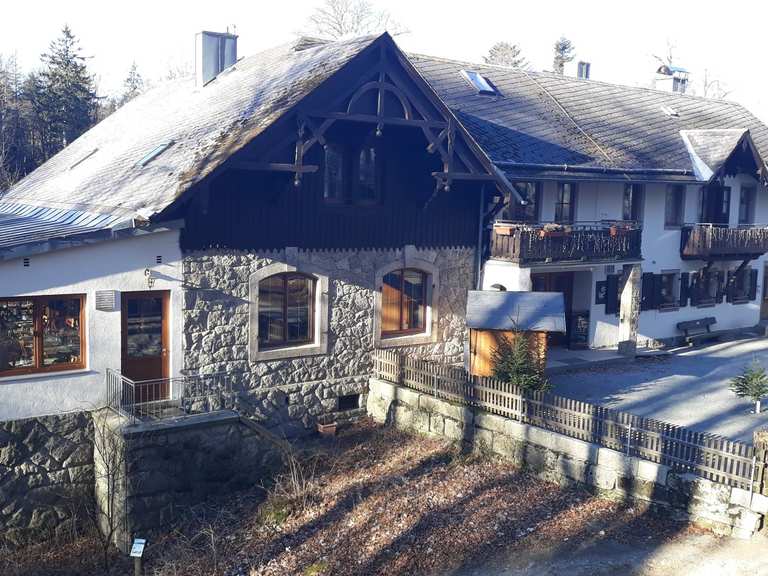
(688, 388)
(687, 555)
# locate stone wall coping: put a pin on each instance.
(182, 423)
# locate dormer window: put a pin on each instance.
(479, 82)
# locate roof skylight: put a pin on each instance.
(154, 153)
(669, 111)
(479, 82)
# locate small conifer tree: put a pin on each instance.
(752, 383)
(514, 361)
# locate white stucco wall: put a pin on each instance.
(113, 265)
(507, 274)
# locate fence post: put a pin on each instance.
(760, 442)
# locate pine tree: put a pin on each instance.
(65, 98)
(513, 361)
(752, 383)
(506, 54)
(564, 53)
(133, 85)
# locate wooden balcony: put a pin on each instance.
(580, 242)
(716, 242)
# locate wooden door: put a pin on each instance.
(557, 282)
(145, 343)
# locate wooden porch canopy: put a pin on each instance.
(388, 93)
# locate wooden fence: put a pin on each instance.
(686, 451)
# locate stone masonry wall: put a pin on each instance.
(46, 469)
(292, 393)
(558, 458)
(168, 466)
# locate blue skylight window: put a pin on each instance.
(479, 82)
(154, 153)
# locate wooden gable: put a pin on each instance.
(270, 193)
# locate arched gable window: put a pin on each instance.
(286, 310)
(403, 302)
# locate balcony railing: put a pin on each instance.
(580, 242)
(167, 397)
(712, 241)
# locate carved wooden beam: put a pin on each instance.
(274, 167)
(440, 124)
(299, 153)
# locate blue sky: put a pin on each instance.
(618, 37)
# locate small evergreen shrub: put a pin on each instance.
(752, 383)
(515, 362)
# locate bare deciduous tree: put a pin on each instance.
(506, 54)
(668, 58)
(342, 18)
(713, 87)
(109, 458)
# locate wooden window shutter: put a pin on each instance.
(612, 294)
(753, 284)
(647, 292)
(684, 289)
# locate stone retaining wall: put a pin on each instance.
(46, 472)
(168, 466)
(558, 458)
(291, 393)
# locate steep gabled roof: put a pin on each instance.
(102, 172)
(544, 118)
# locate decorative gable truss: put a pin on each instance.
(388, 92)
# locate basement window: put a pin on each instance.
(154, 153)
(479, 82)
(349, 402)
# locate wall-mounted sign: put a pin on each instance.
(137, 550)
(601, 290)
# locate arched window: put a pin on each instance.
(286, 310)
(403, 302)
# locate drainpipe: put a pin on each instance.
(480, 231)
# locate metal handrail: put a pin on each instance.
(161, 398)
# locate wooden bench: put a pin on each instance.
(698, 330)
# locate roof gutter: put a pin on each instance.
(595, 169)
(85, 239)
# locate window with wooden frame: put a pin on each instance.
(353, 174)
(286, 310)
(632, 203)
(742, 286)
(529, 212)
(42, 334)
(404, 302)
(747, 204)
(565, 205)
(667, 285)
(674, 206)
(333, 174)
